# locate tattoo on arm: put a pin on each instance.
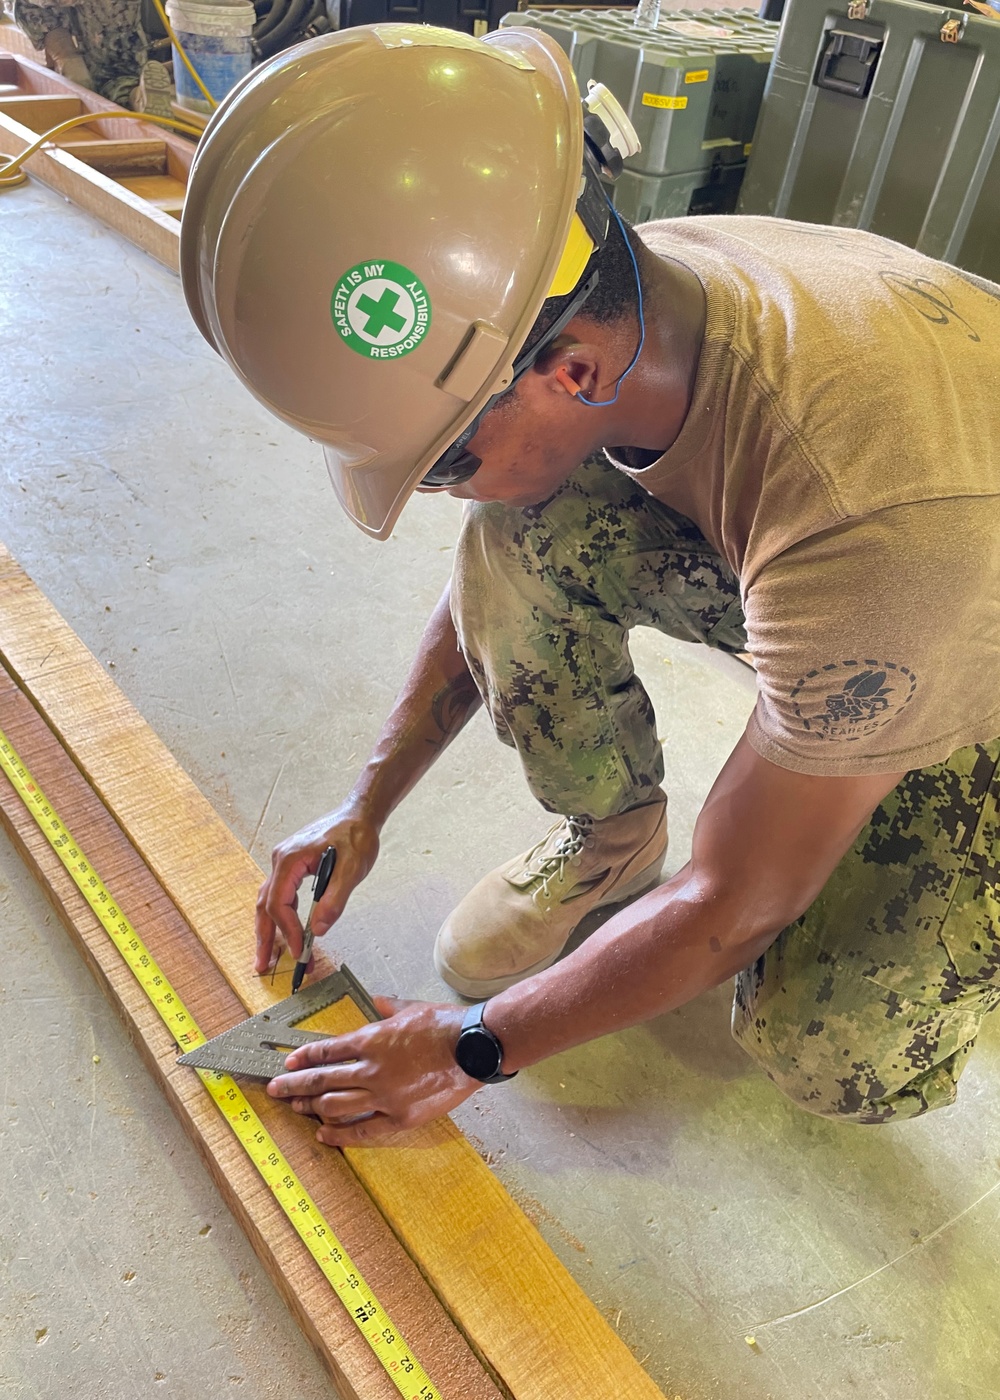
(452, 706)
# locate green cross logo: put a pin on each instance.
(381, 313)
(380, 310)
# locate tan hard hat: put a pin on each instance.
(372, 223)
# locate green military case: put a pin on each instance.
(692, 86)
(885, 115)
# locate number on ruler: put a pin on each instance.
(225, 1092)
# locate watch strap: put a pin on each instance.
(472, 1024)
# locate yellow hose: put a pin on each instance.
(11, 173)
(184, 58)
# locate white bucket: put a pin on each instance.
(216, 38)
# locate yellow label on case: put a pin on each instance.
(701, 76)
(672, 104)
(748, 148)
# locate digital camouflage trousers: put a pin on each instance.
(867, 1007)
(107, 34)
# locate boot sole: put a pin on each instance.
(642, 883)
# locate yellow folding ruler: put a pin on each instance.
(409, 1377)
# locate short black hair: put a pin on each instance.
(615, 297)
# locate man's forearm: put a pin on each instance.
(436, 702)
(655, 955)
(765, 844)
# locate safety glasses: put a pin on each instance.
(456, 465)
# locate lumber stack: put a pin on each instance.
(130, 174)
(480, 1298)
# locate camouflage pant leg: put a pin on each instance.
(108, 34)
(113, 44)
(543, 600)
(39, 20)
(867, 1008)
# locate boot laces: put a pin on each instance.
(569, 845)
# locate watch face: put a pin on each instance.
(478, 1054)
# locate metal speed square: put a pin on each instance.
(256, 1048)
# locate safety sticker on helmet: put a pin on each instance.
(381, 310)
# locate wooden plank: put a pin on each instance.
(14, 40)
(34, 77)
(177, 167)
(155, 189)
(142, 224)
(174, 207)
(519, 1308)
(152, 228)
(41, 111)
(117, 158)
(189, 114)
(395, 1280)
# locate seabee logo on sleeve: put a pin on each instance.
(381, 310)
(851, 699)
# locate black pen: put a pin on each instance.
(326, 863)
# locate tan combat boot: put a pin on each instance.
(154, 92)
(518, 919)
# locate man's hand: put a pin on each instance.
(392, 1075)
(355, 838)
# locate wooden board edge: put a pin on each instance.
(413, 1185)
(350, 1363)
(44, 81)
(14, 41)
(144, 1029)
(149, 228)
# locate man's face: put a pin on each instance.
(527, 447)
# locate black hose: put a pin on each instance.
(273, 17)
(299, 14)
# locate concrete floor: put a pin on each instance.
(196, 547)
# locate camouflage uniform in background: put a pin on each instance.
(868, 1006)
(108, 35)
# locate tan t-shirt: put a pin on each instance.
(842, 452)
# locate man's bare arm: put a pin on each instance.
(765, 844)
(436, 702)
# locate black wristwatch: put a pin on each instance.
(479, 1052)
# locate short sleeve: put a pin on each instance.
(877, 643)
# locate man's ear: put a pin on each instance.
(572, 366)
